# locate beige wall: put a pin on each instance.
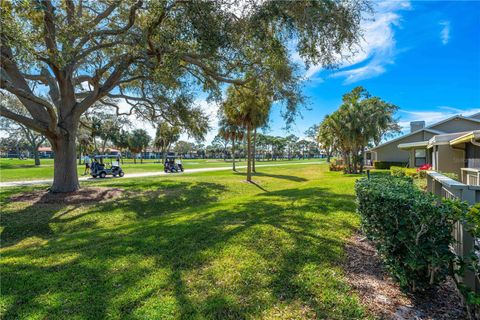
(449, 159)
(390, 152)
(457, 125)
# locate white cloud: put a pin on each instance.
(369, 71)
(430, 117)
(376, 50)
(445, 32)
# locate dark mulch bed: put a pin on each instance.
(83, 195)
(382, 296)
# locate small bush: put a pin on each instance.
(387, 164)
(422, 174)
(411, 229)
(336, 167)
(451, 175)
(422, 171)
(403, 172)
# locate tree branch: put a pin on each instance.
(9, 70)
(109, 84)
(212, 73)
(83, 54)
(110, 32)
(49, 29)
(35, 77)
(70, 8)
(126, 97)
(31, 123)
(26, 95)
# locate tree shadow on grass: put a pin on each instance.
(275, 176)
(280, 176)
(172, 253)
(35, 219)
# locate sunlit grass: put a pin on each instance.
(199, 246)
(15, 169)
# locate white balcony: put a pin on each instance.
(470, 176)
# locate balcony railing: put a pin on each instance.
(471, 176)
(447, 188)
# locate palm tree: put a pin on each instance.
(360, 120)
(326, 137)
(231, 131)
(248, 107)
(165, 136)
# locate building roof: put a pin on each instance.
(411, 145)
(469, 136)
(445, 138)
(407, 135)
(430, 129)
(458, 116)
(44, 149)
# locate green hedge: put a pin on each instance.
(403, 172)
(336, 167)
(388, 164)
(411, 229)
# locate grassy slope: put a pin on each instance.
(191, 247)
(15, 170)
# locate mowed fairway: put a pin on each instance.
(24, 170)
(198, 246)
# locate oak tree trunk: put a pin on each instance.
(65, 177)
(34, 150)
(36, 157)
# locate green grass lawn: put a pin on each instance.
(15, 169)
(198, 246)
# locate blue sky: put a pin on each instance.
(423, 56)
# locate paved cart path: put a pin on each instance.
(149, 174)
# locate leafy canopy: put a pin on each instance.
(152, 53)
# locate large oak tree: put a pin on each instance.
(81, 53)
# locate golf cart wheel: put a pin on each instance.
(94, 175)
(121, 174)
(114, 175)
(103, 175)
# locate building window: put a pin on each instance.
(472, 156)
(420, 157)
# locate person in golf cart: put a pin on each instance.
(100, 169)
(172, 164)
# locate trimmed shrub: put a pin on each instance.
(451, 175)
(336, 167)
(411, 229)
(403, 172)
(422, 171)
(387, 164)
